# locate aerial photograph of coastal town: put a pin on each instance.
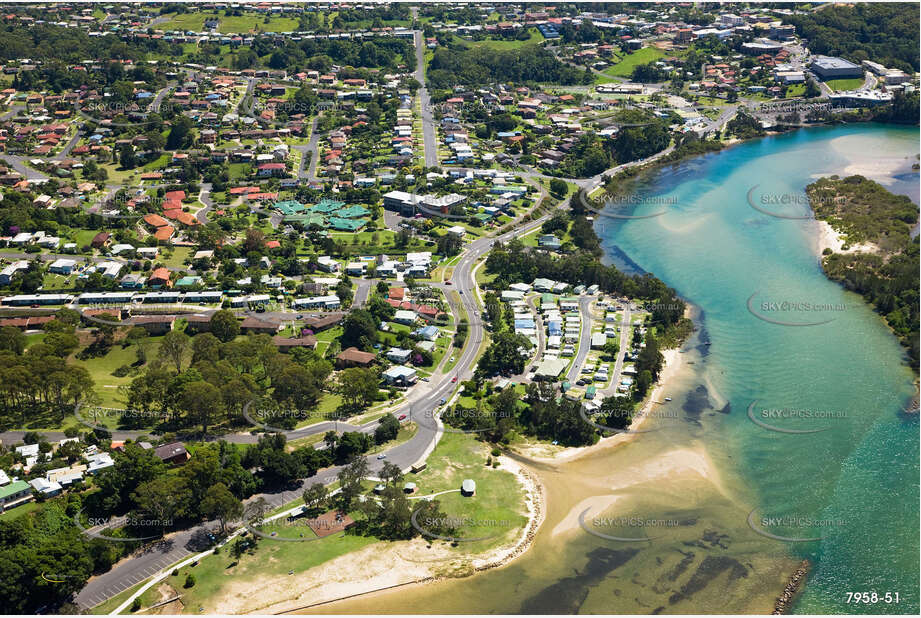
(438, 308)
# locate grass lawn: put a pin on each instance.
(19, 511)
(187, 21)
(502, 44)
(625, 67)
(178, 257)
(496, 509)
(274, 559)
(844, 84)
(248, 23)
(101, 369)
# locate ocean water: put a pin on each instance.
(701, 497)
(853, 483)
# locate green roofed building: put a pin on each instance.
(307, 219)
(346, 225)
(482, 217)
(289, 207)
(327, 206)
(14, 494)
(352, 212)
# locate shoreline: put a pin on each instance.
(395, 568)
(826, 237)
(673, 361)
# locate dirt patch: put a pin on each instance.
(165, 592)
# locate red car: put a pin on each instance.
(402, 416)
(454, 379)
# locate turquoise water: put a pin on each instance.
(845, 375)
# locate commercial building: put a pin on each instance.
(829, 67)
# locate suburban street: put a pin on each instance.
(419, 406)
(585, 339)
(422, 401)
(626, 333)
(429, 136)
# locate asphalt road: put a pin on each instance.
(419, 407)
(429, 137)
(626, 334)
(585, 339)
(18, 163)
(362, 292)
(205, 198)
(68, 147)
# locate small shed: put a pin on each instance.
(468, 487)
(409, 488)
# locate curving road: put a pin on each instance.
(419, 407)
(585, 339)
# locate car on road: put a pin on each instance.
(424, 379)
(443, 401)
(382, 456)
(401, 417)
(454, 379)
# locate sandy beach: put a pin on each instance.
(384, 565)
(828, 238)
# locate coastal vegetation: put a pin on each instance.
(887, 276)
(494, 515)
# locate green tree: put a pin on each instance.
(173, 347)
(12, 339)
(558, 188)
(203, 404)
(315, 497)
(222, 505)
(224, 325)
(387, 430)
(358, 387)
